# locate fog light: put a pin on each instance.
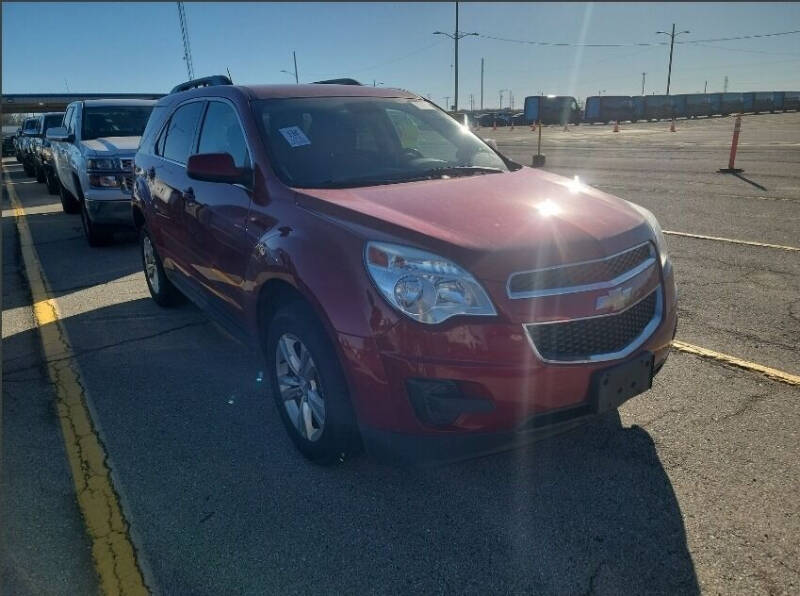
(439, 402)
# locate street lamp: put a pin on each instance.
(455, 37)
(289, 72)
(671, 43)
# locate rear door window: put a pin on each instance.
(222, 133)
(177, 145)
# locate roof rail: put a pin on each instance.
(337, 82)
(211, 81)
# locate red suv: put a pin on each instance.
(413, 290)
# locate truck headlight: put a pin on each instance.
(423, 286)
(102, 164)
(658, 235)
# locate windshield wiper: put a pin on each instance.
(461, 171)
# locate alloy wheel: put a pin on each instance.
(300, 388)
(150, 268)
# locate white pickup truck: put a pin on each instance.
(93, 159)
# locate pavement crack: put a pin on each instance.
(746, 405)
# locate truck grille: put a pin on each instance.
(597, 338)
(127, 174)
(570, 278)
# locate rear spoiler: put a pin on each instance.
(211, 81)
(337, 82)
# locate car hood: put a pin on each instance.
(112, 145)
(493, 224)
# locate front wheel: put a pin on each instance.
(52, 183)
(40, 176)
(161, 288)
(309, 387)
(96, 235)
(68, 201)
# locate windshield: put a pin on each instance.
(359, 141)
(113, 121)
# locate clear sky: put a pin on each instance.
(133, 47)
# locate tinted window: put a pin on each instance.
(114, 121)
(51, 121)
(222, 133)
(180, 132)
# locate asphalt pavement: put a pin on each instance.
(691, 487)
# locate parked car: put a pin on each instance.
(8, 145)
(93, 156)
(519, 119)
(787, 100)
(763, 101)
(29, 131)
(41, 150)
(411, 288)
(657, 107)
(17, 146)
(552, 109)
(608, 108)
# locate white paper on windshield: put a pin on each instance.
(294, 136)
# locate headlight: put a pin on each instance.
(102, 164)
(658, 235)
(427, 288)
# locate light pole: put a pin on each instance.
(671, 44)
(455, 37)
(481, 83)
(501, 99)
(643, 76)
(296, 80)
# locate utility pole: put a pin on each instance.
(471, 102)
(455, 37)
(511, 99)
(447, 102)
(643, 76)
(187, 50)
(705, 87)
(671, 44)
(481, 83)
(725, 88)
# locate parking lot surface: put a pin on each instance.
(691, 487)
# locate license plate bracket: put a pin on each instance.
(615, 385)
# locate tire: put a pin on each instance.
(40, 176)
(52, 184)
(96, 235)
(68, 201)
(326, 433)
(161, 289)
(27, 168)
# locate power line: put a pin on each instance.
(631, 45)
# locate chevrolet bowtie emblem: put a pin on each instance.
(616, 299)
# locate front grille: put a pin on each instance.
(127, 175)
(583, 339)
(580, 274)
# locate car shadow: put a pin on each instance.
(218, 497)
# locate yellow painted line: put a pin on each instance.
(732, 241)
(772, 373)
(112, 549)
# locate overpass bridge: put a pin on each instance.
(23, 103)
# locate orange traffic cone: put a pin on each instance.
(616, 126)
(672, 126)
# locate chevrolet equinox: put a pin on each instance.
(412, 290)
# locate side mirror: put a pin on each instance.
(59, 133)
(216, 167)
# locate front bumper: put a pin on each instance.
(109, 207)
(528, 398)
